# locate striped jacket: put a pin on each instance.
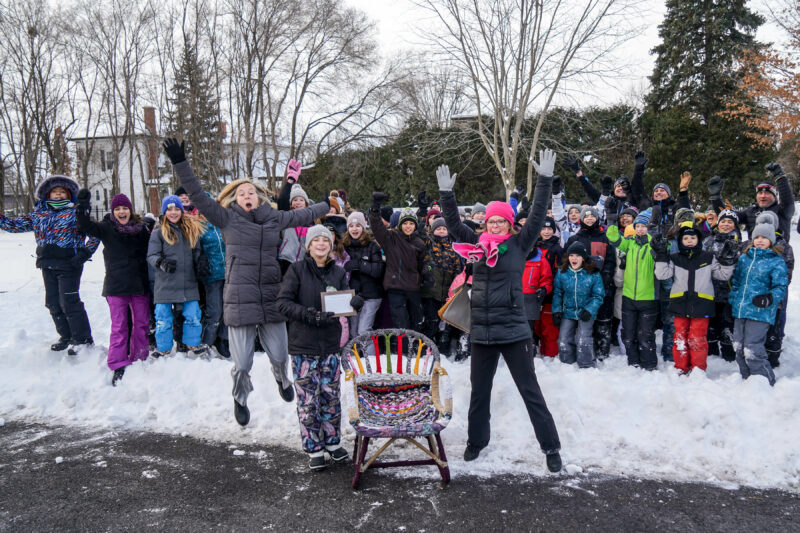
(692, 272)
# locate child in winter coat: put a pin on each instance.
(292, 196)
(126, 287)
(577, 296)
(442, 264)
(174, 251)
(314, 346)
(720, 325)
(537, 285)
(365, 267)
(544, 329)
(692, 294)
(759, 285)
(214, 330)
(61, 251)
(640, 304)
(405, 260)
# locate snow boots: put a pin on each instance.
(316, 461)
(59, 346)
(241, 413)
(286, 393)
(118, 373)
(554, 462)
(76, 347)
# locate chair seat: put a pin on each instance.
(401, 430)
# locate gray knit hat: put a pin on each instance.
(768, 217)
(663, 186)
(478, 208)
(357, 217)
(437, 223)
(764, 230)
(318, 231)
(407, 215)
(297, 190)
(589, 211)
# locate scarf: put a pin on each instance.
(489, 244)
(128, 229)
(58, 204)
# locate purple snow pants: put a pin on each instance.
(128, 344)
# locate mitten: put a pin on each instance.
(585, 315)
(176, 152)
(729, 253)
(203, 266)
(80, 257)
(606, 185)
(541, 294)
(293, 170)
(571, 162)
(377, 199)
(558, 186)
(357, 302)
(715, 184)
(762, 300)
(557, 319)
(167, 265)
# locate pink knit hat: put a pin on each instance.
(500, 209)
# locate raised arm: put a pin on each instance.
(447, 198)
(215, 213)
(544, 185)
(19, 224)
(638, 196)
(302, 217)
(85, 224)
(784, 189)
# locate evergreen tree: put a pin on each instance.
(696, 71)
(194, 117)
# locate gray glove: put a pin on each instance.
(546, 164)
(446, 181)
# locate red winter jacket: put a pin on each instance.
(537, 273)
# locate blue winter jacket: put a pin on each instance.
(758, 272)
(575, 290)
(214, 248)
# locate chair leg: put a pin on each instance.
(362, 452)
(355, 447)
(445, 472)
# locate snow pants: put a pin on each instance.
(406, 309)
(690, 347)
(128, 341)
(638, 332)
(519, 359)
(242, 340)
(213, 326)
(774, 343)
(363, 321)
(575, 343)
(316, 385)
(62, 298)
(192, 328)
(720, 332)
(547, 332)
(602, 325)
(667, 330)
(749, 337)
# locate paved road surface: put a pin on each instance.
(123, 481)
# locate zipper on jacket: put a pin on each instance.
(746, 280)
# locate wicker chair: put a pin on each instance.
(401, 398)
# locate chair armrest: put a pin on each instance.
(445, 408)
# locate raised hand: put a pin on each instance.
(546, 164)
(640, 160)
(175, 151)
(606, 185)
(686, 179)
(775, 169)
(293, 169)
(571, 162)
(423, 200)
(715, 185)
(446, 181)
(558, 185)
(729, 253)
(378, 198)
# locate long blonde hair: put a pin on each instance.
(228, 194)
(191, 228)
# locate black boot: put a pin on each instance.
(222, 347)
(444, 342)
(288, 393)
(118, 373)
(554, 462)
(241, 413)
(59, 346)
(471, 452)
(77, 347)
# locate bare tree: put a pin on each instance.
(435, 92)
(517, 54)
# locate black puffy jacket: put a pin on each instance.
(600, 250)
(301, 288)
(367, 281)
(498, 308)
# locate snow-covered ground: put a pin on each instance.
(615, 420)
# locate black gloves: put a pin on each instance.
(557, 319)
(541, 294)
(318, 319)
(518, 191)
(585, 315)
(524, 205)
(80, 257)
(558, 186)
(167, 265)
(423, 200)
(203, 267)
(715, 184)
(762, 300)
(611, 206)
(641, 160)
(84, 201)
(775, 169)
(606, 185)
(659, 246)
(357, 302)
(377, 199)
(571, 162)
(176, 152)
(729, 253)
(352, 265)
(625, 183)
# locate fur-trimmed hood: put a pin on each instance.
(57, 180)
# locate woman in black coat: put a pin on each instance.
(499, 325)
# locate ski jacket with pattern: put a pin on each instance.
(214, 247)
(575, 290)
(714, 243)
(758, 272)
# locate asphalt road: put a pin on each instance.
(77, 479)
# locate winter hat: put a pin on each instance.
(579, 249)
(434, 212)
(729, 213)
(297, 190)
(318, 231)
(407, 215)
(334, 203)
(589, 211)
(121, 200)
(500, 209)
(180, 190)
(768, 217)
(386, 213)
(576, 207)
(643, 217)
(684, 214)
(394, 219)
(520, 216)
(630, 210)
(688, 228)
(478, 208)
(767, 186)
(549, 222)
(57, 180)
(663, 186)
(357, 217)
(341, 204)
(342, 194)
(462, 212)
(764, 230)
(622, 181)
(170, 201)
(437, 223)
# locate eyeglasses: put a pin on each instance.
(496, 222)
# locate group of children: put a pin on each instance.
(622, 262)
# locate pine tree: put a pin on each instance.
(194, 117)
(695, 73)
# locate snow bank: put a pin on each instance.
(614, 420)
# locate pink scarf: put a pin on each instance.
(488, 245)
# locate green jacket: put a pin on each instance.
(639, 281)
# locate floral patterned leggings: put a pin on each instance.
(316, 384)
